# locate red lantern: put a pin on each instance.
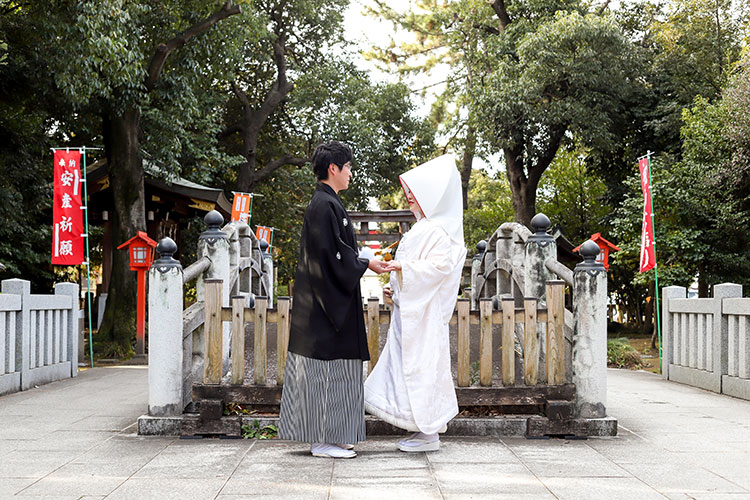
(605, 247)
(141, 249)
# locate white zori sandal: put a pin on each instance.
(325, 450)
(420, 442)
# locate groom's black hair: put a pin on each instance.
(327, 153)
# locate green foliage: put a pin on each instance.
(109, 349)
(573, 196)
(489, 206)
(567, 72)
(255, 431)
(235, 409)
(620, 354)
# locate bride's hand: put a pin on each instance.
(393, 265)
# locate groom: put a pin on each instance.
(322, 401)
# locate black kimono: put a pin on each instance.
(323, 396)
(327, 315)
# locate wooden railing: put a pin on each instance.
(527, 317)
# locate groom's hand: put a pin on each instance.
(377, 266)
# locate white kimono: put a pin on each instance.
(411, 386)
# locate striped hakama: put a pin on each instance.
(322, 401)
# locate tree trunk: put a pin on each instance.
(244, 180)
(122, 147)
(522, 188)
(468, 158)
(702, 281)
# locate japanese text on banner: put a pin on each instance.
(242, 207)
(264, 233)
(67, 216)
(648, 253)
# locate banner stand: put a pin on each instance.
(649, 207)
(85, 235)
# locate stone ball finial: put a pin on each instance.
(213, 219)
(263, 246)
(589, 251)
(482, 246)
(166, 247)
(540, 223)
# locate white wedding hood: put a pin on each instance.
(436, 186)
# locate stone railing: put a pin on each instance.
(38, 335)
(231, 254)
(706, 342)
(516, 263)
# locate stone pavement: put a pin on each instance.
(75, 439)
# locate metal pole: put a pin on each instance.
(656, 308)
(88, 260)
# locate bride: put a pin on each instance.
(411, 386)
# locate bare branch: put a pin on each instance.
(274, 165)
(603, 7)
(164, 49)
(280, 89)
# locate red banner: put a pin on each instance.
(242, 207)
(648, 253)
(67, 216)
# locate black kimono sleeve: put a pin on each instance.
(335, 267)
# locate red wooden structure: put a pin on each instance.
(141, 249)
(605, 247)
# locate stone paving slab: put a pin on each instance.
(675, 442)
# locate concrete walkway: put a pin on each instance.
(76, 439)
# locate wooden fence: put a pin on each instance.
(38, 335)
(262, 390)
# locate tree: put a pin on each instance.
(571, 195)
(445, 42)
(377, 120)
(554, 74)
(145, 69)
(291, 45)
(489, 206)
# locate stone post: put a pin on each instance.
(476, 273)
(721, 329)
(539, 246)
(667, 326)
(590, 337)
(22, 288)
(490, 286)
(246, 244)
(165, 356)
(234, 256)
(214, 244)
(504, 249)
(71, 325)
(267, 265)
